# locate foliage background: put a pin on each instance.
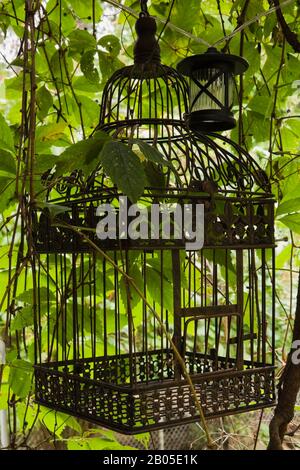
(55, 58)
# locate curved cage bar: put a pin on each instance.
(193, 163)
(157, 96)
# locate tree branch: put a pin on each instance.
(289, 387)
(290, 36)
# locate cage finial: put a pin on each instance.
(144, 8)
(146, 50)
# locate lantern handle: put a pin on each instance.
(144, 8)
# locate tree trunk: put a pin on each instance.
(289, 387)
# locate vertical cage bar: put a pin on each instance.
(177, 307)
(240, 306)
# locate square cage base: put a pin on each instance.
(99, 389)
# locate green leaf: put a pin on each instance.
(50, 132)
(292, 221)
(83, 84)
(44, 163)
(54, 209)
(84, 10)
(261, 104)
(83, 154)
(81, 40)
(291, 205)
(56, 421)
(144, 439)
(7, 162)
(44, 102)
(108, 64)
(44, 295)
(22, 319)
(135, 274)
(283, 257)
(6, 136)
(7, 191)
(152, 154)
(95, 443)
(111, 44)
(88, 67)
(155, 177)
(124, 168)
(90, 111)
(20, 376)
(78, 444)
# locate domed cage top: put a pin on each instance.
(101, 353)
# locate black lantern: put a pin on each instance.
(212, 89)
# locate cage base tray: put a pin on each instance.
(80, 390)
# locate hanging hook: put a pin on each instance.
(144, 8)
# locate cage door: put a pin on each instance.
(209, 332)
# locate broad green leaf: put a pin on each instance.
(155, 176)
(83, 84)
(155, 278)
(261, 104)
(20, 376)
(44, 163)
(56, 421)
(7, 191)
(292, 221)
(185, 17)
(83, 154)
(27, 413)
(111, 44)
(144, 439)
(81, 40)
(135, 274)
(84, 10)
(283, 257)
(44, 102)
(62, 66)
(95, 443)
(15, 83)
(54, 209)
(51, 132)
(23, 318)
(90, 111)
(44, 295)
(252, 55)
(7, 162)
(291, 205)
(124, 168)
(108, 64)
(6, 136)
(152, 154)
(88, 67)
(68, 22)
(78, 444)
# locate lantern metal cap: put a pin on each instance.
(213, 58)
(211, 120)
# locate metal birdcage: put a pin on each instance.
(101, 353)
